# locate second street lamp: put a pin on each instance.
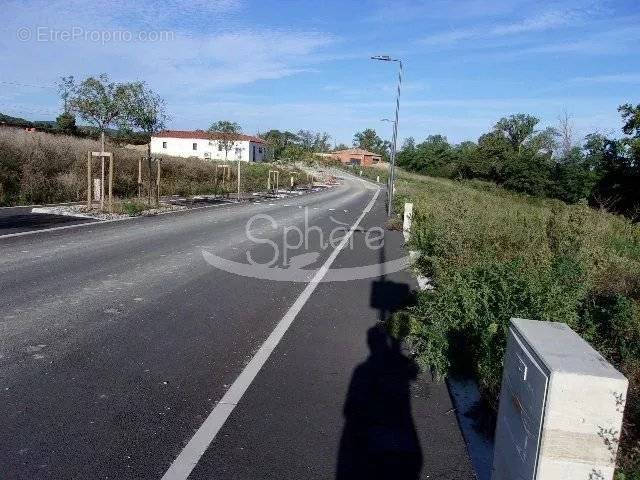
(387, 58)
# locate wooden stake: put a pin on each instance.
(140, 177)
(102, 164)
(89, 179)
(110, 183)
(102, 184)
(158, 183)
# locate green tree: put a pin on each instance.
(369, 140)
(66, 122)
(631, 118)
(228, 132)
(435, 156)
(306, 139)
(517, 129)
(100, 102)
(66, 87)
(145, 111)
(278, 141)
(322, 142)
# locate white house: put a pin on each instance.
(207, 146)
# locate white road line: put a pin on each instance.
(190, 455)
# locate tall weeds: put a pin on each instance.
(494, 255)
(40, 167)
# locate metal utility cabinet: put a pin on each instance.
(561, 407)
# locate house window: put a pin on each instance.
(259, 149)
(195, 146)
(164, 144)
(219, 146)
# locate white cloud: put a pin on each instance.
(536, 23)
(224, 54)
(602, 79)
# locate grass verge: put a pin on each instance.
(493, 255)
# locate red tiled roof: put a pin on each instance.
(356, 151)
(204, 135)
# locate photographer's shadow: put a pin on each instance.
(379, 439)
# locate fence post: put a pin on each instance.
(406, 224)
(140, 177)
(110, 183)
(89, 179)
(158, 170)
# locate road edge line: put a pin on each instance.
(188, 458)
(101, 222)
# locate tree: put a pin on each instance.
(146, 111)
(631, 117)
(100, 102)
(517, 129)
(406, 156)
(278, 141)
(306, 139)
(66, 123)
(322, 142)
(565, 131)
(66, 87)
(369, 140)
(227, 132)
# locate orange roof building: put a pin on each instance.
(357, 156)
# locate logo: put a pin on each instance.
(293, 257)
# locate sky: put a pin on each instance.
(306, 64)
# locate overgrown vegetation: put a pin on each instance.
(547, 163)
(38, 167)
(493, 255)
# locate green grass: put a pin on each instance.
(493, 255)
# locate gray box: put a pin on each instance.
(561, 407)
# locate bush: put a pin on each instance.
(493, 255)
(133, 208)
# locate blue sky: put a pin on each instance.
(298, 64)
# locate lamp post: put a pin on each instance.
(387, 58)
(389, 176)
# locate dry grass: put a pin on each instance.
(494, 254)
(39, 167)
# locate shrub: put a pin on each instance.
(38, 167)
(493, 255)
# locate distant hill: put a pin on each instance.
(17, 121)
(83, 130)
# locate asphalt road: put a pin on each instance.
(20, 219)
(117, 340)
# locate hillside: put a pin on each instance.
(494, 254)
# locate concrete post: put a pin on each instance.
(561, 407)
(406, 224)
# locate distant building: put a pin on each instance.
(207, 146)
(357, 156)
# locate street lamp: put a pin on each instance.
(389, 176)
(387, 58)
